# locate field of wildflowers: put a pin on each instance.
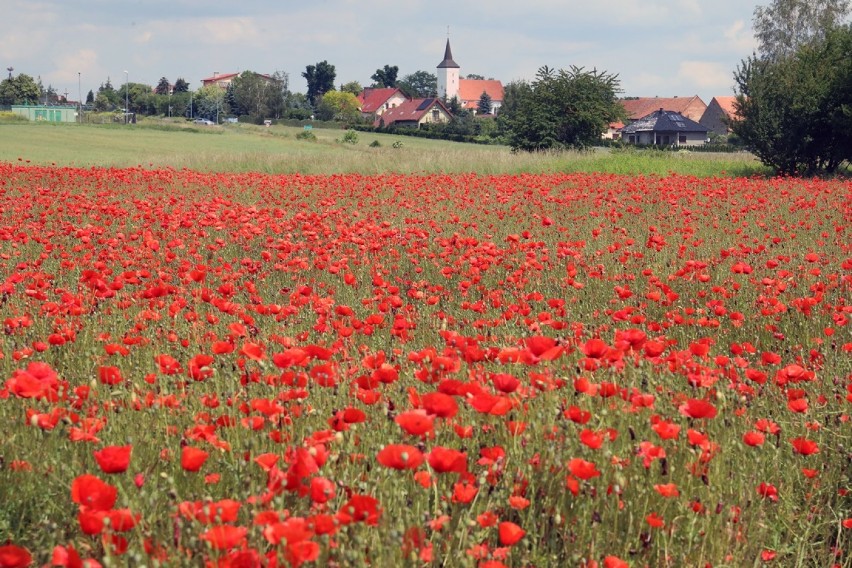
(583, 370)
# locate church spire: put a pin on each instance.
(448, 62)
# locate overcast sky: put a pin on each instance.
(657, 47)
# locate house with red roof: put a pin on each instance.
(415, 113)
(471, 90)
(719, 114)
(374, 102)
(691, 107)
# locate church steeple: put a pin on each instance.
(448, 62)
(448, 75)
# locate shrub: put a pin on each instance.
(350, 137)
(306, 135)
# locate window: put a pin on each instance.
(681, 139)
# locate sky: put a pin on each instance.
(656, 47)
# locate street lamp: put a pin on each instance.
(126, 95)
(79, 100)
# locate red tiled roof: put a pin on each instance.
(412, 110)
(219, 77)
(472, 89)
(726, 104)
(643, 106)
(372, 99)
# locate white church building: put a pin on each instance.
(468, 91)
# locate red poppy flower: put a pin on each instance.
(191, 459)
(89, 491)
(322, 490)
(224, 537)
(360, 508)
(510, 533)
(667, 489)
(416, 422)
(440, 404)
(697, 408)
(113, 459)
(753, 438)
(655, 521)
(109, 375)
(168, 364)
(447, 460)
(804, 446)
(595, 348)
(583, 469)
(400, 456)
(13, 556)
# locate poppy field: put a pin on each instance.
(586, 370)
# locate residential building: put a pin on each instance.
(224, 80)
(374, 102)
(415, 113)
(665, 128)
(718, 115)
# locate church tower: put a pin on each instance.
(448, 75)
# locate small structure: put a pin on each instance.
(416, 112)
(719, 114)
(47, 113)
(374, 102)
(613, 131)
(224, 80)
(690, 107)
(665, 128)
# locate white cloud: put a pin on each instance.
(654, 45)
(706, 75)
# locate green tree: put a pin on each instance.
(19, 90)
(90, 97)
(257, 96)
(562, 109)
(475, 76)
(210, 103)
(419, 85)
(484, 104)
(339, 105)
(385, 77)
(353, 87)
(181, 86)
(784, 26)
(320, 79)
(163, 86)
(138, 98)
(795, 112)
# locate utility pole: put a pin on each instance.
(79, 100)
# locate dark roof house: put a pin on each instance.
(666, 128)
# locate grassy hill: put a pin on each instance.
(240, 147)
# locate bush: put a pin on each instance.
(306, 135)
(375, 144)
(350, 137)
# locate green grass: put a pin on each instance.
(241, 147)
